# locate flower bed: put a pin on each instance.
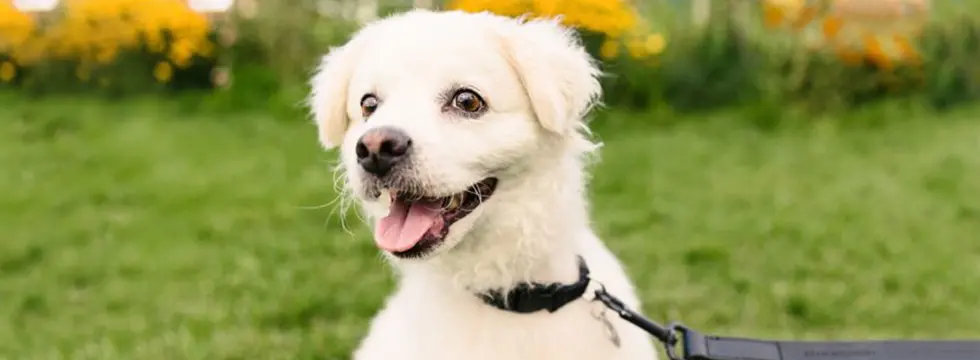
(105, 40)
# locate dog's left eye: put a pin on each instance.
(369, 103)
(468, 101)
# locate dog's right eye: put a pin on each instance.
(369, 103)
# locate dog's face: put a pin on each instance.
(433, 112)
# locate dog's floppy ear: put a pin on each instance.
(558, 74)
(329, 95)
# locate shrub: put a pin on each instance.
(952, 71)
(813, 54)
(111, 43)
(134, 45)
(817, 55)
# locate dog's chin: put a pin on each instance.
(414, 226)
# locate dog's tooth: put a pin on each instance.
(454, 202)
(386, 197)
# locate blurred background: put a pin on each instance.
(793, 169)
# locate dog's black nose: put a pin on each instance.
(380, 149)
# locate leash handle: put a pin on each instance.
(702, 347)
(697, 346)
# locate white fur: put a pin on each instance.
(539, 83)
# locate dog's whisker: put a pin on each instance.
(346, 203)
(344, 198)
(359, 212)
(477, 191)
(338, 206)
(321, 206)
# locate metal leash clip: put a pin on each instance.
(667, 336)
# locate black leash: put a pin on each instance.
(683, 343)
(696, 346)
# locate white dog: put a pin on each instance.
(462, 137)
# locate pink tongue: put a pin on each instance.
(405, 225)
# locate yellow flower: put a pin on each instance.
(848, 56)
(106, 54)
(798, 13)
(546, 7)
(98, 30)
(875, 53)
(16, 27)
(792, 7)
(656, 43)
(906, 50)
(181, 52)
(832, 26)
(804, 17)
(609, 49)
(154, 41)
(637, 47)
(205, 49)
(772, 16)
(7, 71)
(28, 53)
(609, 17)
(505, 8)
(163, 72)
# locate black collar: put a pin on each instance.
(532, 297)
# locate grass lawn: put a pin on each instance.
(138, 231)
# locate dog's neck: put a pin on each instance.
(534, 234)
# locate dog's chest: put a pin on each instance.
(571, 333)
(471, 330)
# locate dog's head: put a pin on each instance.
(434, 112)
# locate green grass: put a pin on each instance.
(139, 231)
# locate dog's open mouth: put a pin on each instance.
(416, 224)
